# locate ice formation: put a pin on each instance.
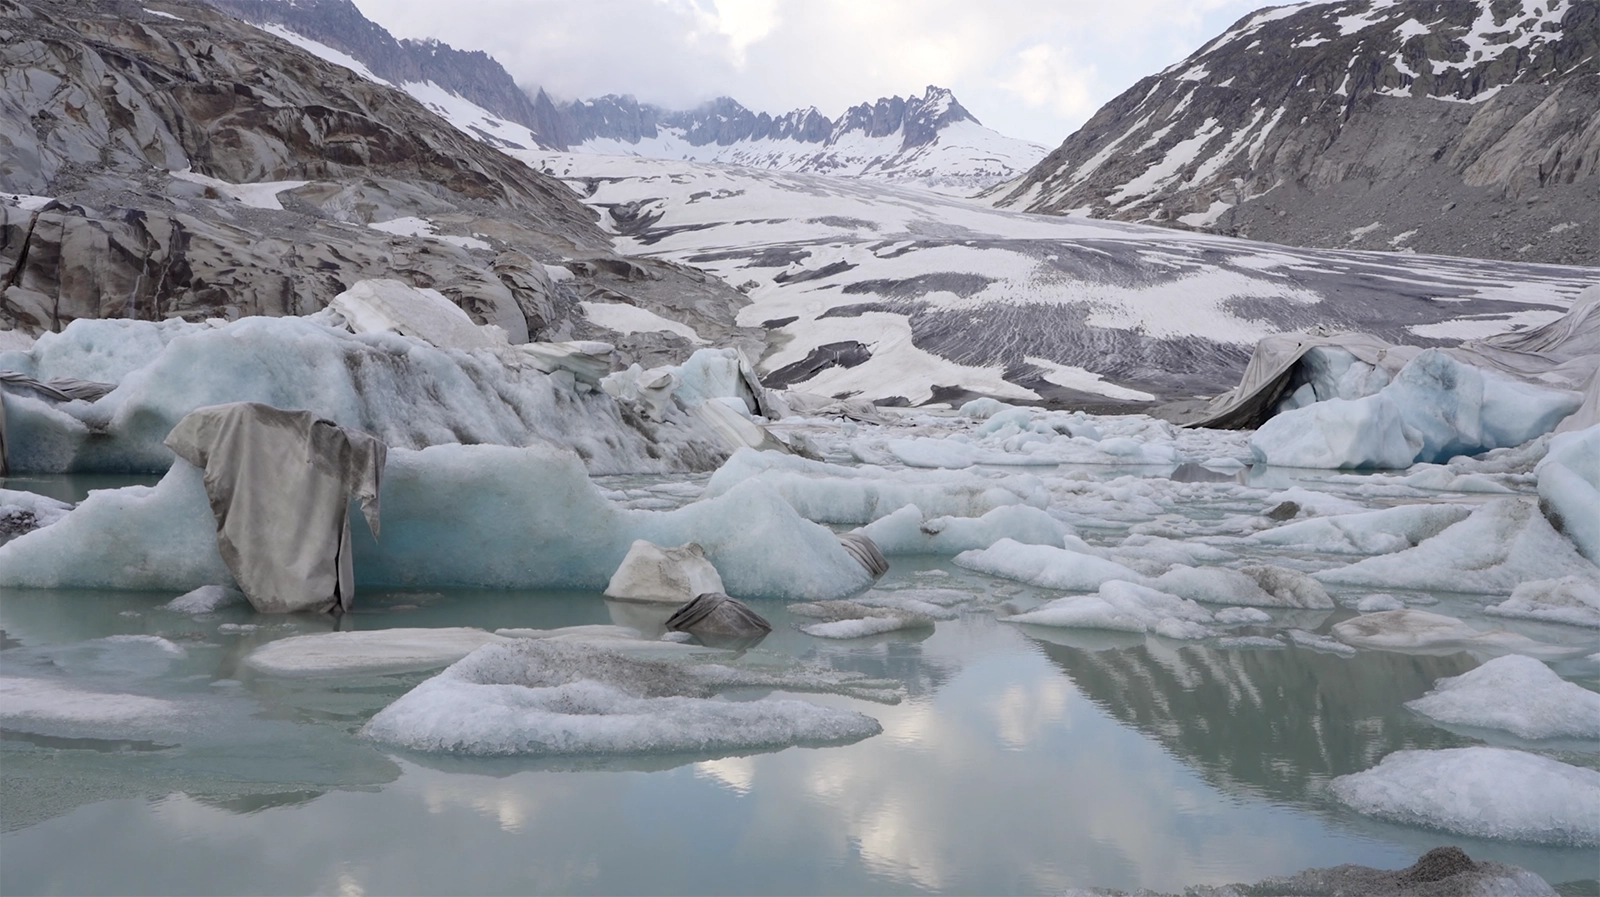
(714, 615)
(1046, 566)
(542, 697)
(1252, 586)
(1518, 694)
(1569, 488)
(871, 615)
(1423, 632)
(834, 493)
(478, 516)
(390, 386)
(1436, 408)
(1482, 792)
(367, 651)
(1367, 532)
(205, 599)
(22, 512)
(1571, 600)
(1498, 546)
(906, 531)
(1123, 606)
(673, 575)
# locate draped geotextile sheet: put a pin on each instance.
(1563, 354)
(280, 484)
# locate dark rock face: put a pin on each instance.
(1462, 127)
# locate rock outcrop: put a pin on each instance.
(1460, 127)
(172, 161)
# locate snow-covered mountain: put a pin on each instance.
(929, 140)
(1467, 127)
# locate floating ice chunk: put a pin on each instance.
(870, 616)
(1571, 600)
(541, 697)
(833, 493)
(1370, 532)
(1569, 488)
(1320, 643)
(720, 373)
(1248, 642)
(590, 631)
(1423, 632)
(946, 453)
(674, 575)
(1124, 606)
(1371, 604)
(1045, 566)
(1368, 433)
(1254, 586)
(137, 537)
(1517, 694)
(983, 409)
(367, 651)
(1482, 792)
(1436, 408)
(1314, 503)
(1152, 555)
(477, 516)
(22, 512)
(1499, 545)
(907, 532)
(1233, 616)
(26, 700)
(205, 599)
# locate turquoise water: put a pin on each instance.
(1021, 761)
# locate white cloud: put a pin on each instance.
(1044, 79)
(1035, 69)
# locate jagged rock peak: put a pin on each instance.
(1356, 123)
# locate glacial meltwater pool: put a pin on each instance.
(143, 754)
(1022, 760)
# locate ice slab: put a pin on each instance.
(478, 516)
(205, 599)
(871, 616)
(1437, 407)
(1482, 792)
(367, 651)
(1123, 606)
(1423, 632)
(835, 493)
(390, 306)
(1251, 586)
(1046, 566)
(907, 531)
(29, 700)
(390, 386)
(1569, 488)
(22, 512)
(542, 697)
(1368, 532)
(1517, 694)
(1571, 600)
(1499, 545)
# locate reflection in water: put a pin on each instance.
(1275, 720)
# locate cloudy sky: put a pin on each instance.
(1035, 69)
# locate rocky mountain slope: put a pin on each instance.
(929, 140)
(1465, 127)
(167, 160)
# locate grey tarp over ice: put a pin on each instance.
(1563, 354)
(280, 484)
(61, 389)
